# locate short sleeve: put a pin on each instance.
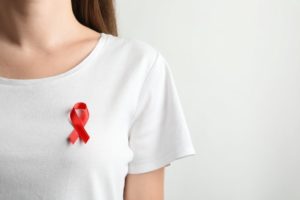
(159, 133)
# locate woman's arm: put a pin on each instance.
(145, 186)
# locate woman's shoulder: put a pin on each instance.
(132, 48)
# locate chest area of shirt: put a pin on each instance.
(35, 146)
(38, 126)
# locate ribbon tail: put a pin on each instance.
(73, 137)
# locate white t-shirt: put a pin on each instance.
(135, 124)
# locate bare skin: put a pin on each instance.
(145, 186)
(40, 38)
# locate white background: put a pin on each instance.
(236, 64)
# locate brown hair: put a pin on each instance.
(98, 15)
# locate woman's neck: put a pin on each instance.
(38, 22)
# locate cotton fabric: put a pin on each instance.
(136, 124)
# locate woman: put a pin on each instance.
(85, 114)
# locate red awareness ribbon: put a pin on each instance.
(79, 122)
